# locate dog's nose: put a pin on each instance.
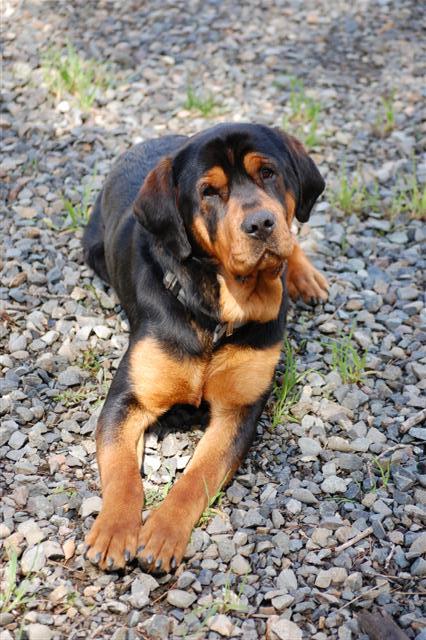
(259, 225)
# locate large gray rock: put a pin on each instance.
(283, 629)
(180, 599)
(92, 504)
(334, 484)
(37, 631)
(287, 580)
(33, 560)
(240, 565)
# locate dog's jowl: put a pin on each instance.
(194, 234)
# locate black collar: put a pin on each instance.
(173, 285)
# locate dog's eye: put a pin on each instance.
(208, 191)
(266, 173)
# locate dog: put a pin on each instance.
(194, 234)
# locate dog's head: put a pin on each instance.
(231, 192)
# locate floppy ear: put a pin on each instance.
(156, 209)
(310, 182)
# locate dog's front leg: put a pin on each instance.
(148, 382)
(112, 540)
(237, 386)
(166, 533)
(303, 280)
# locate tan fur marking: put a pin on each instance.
(290, 207)
(116, 528)
(160, 381)
(235, 250)
(238, 376)
(253, 162)
(201, 234)
(214, 177)
(256, 300)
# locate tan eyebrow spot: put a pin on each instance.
(290, 207)
(253, 161)
(215, 177)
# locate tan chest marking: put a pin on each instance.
(233, 376)
(258, 300)
(238, 376)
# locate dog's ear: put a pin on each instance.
(310, 182)
(156, 209)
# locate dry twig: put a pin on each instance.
(364, 534)
(412, 421)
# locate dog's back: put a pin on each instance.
(118, 194)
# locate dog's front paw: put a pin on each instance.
(306, 282)
(113, 539)
(162, 541)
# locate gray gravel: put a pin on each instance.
(283, 554)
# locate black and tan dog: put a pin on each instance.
(194, 235)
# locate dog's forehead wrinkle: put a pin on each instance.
(227, 149)
(250, 204)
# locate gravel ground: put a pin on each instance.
(326, 516)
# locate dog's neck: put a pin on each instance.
(256, 299)
(197, 279)
(220, 296)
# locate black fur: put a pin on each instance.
(140, 228)
(133, 257)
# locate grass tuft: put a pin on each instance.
(346, 359)
(14, 593)
(304, 113)
(286, 390)
(409, 197)
(91, 361)
(77, 215)
(385, 118)
(68, 73)
(156, 494)
(73, 397)
(352, 196)
(203, 104)
(384, 468)
(68, 491)
(227, 602)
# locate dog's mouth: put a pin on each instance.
(245, 268)
(248, 256)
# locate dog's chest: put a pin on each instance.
(232, 375)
